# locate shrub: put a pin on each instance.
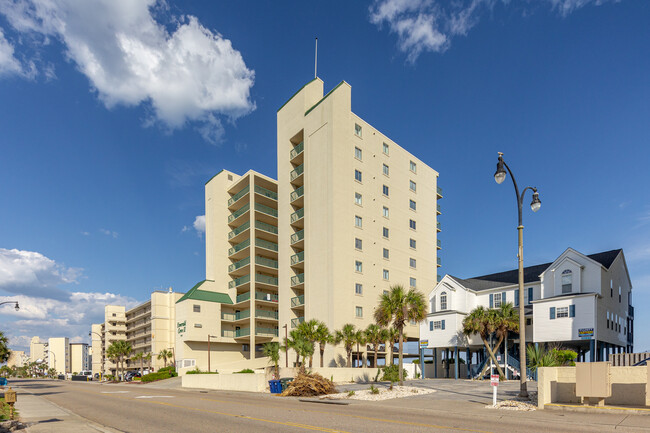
(246, 370)
(198, 371)
(151, 377)
(374, 389)
(350, 393)
(391, 373)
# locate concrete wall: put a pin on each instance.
(253, 382)
(630, 386)
(338, 375)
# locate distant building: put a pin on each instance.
(58, 354)
(79, 359)
(17, 359)
(37, 350)
(104, 334)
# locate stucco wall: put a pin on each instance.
(252, 382)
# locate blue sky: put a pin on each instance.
(114, 114)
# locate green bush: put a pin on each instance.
(246, 370)
(391, 373)
(198, 371)
(151, 377)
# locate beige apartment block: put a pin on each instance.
(37, 350)
(104, 334)
(17, 358)
(79, 359)
(151, 327)
(241, 285)
(58, 354)
(357, 213)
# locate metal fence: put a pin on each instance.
(627, 359)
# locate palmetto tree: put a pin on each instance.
(5, 353)
(346, 335)
(119, 351)
(397, 307)
(165, 354)
(360, 339)
(308, 330)
(272, 350)
(392, 337)
(322, 337)
(295, 342)
(375, 335)
(139, 357)
(147, 358)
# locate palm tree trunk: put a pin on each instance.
(375, 360)
(322, 352)
(349, 349)
(358, 354)
(401, 345)
(311, 357)
(494, 359)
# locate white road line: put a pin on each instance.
(114, 392)
(155, 396)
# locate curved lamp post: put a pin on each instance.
(90, 334)
(17, 307)
(499, 177)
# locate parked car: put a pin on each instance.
(642, 363)
(130, 375)
(87, 373)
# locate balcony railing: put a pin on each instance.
(297, 236)
(438, 226)
(297, 321)
(239, 264)
(239, 281)
(266, 192)
(266, 332)
(239, 195)
(236, 316)
(267, 210)
(439, 191)
(243, 297)
(263, 261)
(298, 258)
(298, 301)
(297, 279)
(439, 243)
(297, 171)
(260, 278)
(300, 213)
(233, 216)
(266, 314)
(244, 332)
(297, 150)
(228, 333)
(239, 247)
(438, 208)
(269, 297)
(266, 227)
(266, 244)
(439, 261)
(295, 195)
(239, 230)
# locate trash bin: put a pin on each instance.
(285, 381)
(3, 381)
(275, 386)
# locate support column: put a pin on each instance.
(469, 363)
(447, 363)
(505, 355)
(457, 362)
(422, 362)
(435, 363)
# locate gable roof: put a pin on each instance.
(205, 295)
(531, 273)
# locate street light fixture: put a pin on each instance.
(17, 307)
(499, 177)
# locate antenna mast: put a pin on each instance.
(316, 59)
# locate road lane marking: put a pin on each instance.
(155, 396)
(114, 392)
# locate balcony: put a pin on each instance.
(233, 216)
(239, 247)
(438, 227)
(263, 261)
(298, 301)
(297, 218)
(297, 321)
(239, 281)
(266, 280)
(439, 244)
(438, 211)
(267, 297)
(266, 314)
(266, 332)
(439, 262)
(266, 227)
(233, 317)
(267, 211)
(235, 198)
(296, 151)
(243, 332)
(266, 193)
(271, 246)
(238, 265)
(295, 196)
(439, 192)
(297, 259)
(297, 173)
(241, 229)
(228, 333)
(297, 237)
(243, 297)
(298, 280)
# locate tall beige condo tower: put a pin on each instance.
(356, 214)
(58, 354)
(104, 334)
(37, 350)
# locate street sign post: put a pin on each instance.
(494, 381)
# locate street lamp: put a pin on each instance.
(17, 307)
(499, 177)
(90, 334)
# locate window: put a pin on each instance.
(412, 243)
(358, 221)
(358, 198)
(496, 300)
(385, 149)
(412, 263)
(358, 266)
(385, 212)
(358, 289)
(385, 232)
(357, 130)
(385, 169)
(412, 185)
(386, 253)
(412, 224)
(530, 295)
(443, 301)
(529, 321)
(357, 175)
(562, 312)
(384, 190)
(114, 315)
(386, 275)
(412, 282)
(358, 243)
(414, 167)
(567, 278)
(412, 204)
(359, 312)
(438, 324)
(357, 153)
(198, 325)
(197, 308)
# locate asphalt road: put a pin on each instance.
(138, 408)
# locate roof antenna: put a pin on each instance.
(316, 59)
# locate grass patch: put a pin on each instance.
(4, 411)
(246, 370)
(198, 371)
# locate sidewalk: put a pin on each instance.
(42, 416)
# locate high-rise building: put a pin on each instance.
(58, 354)
(79, 359)
(37, 350)
(104, 334)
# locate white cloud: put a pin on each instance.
(429, 25)
(33, 274)
(110, 233)
(199, 224)
(188, 74)
(9, 64)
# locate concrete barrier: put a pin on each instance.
(630, 386)
(252, 382)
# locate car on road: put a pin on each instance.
(642, 363)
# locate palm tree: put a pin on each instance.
(147, 358)
(360, 339)
(118, 351)
(165, 354)
(139, 357)
(347, 335)
(398, 307)
(5, 353)
(375, 336)
(295, 342)
(272, 350)
(322, 337)
(392, 337)
(308, 330)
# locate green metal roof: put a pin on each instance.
(205, 295)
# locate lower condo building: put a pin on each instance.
(351, 214)
(578, 302)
